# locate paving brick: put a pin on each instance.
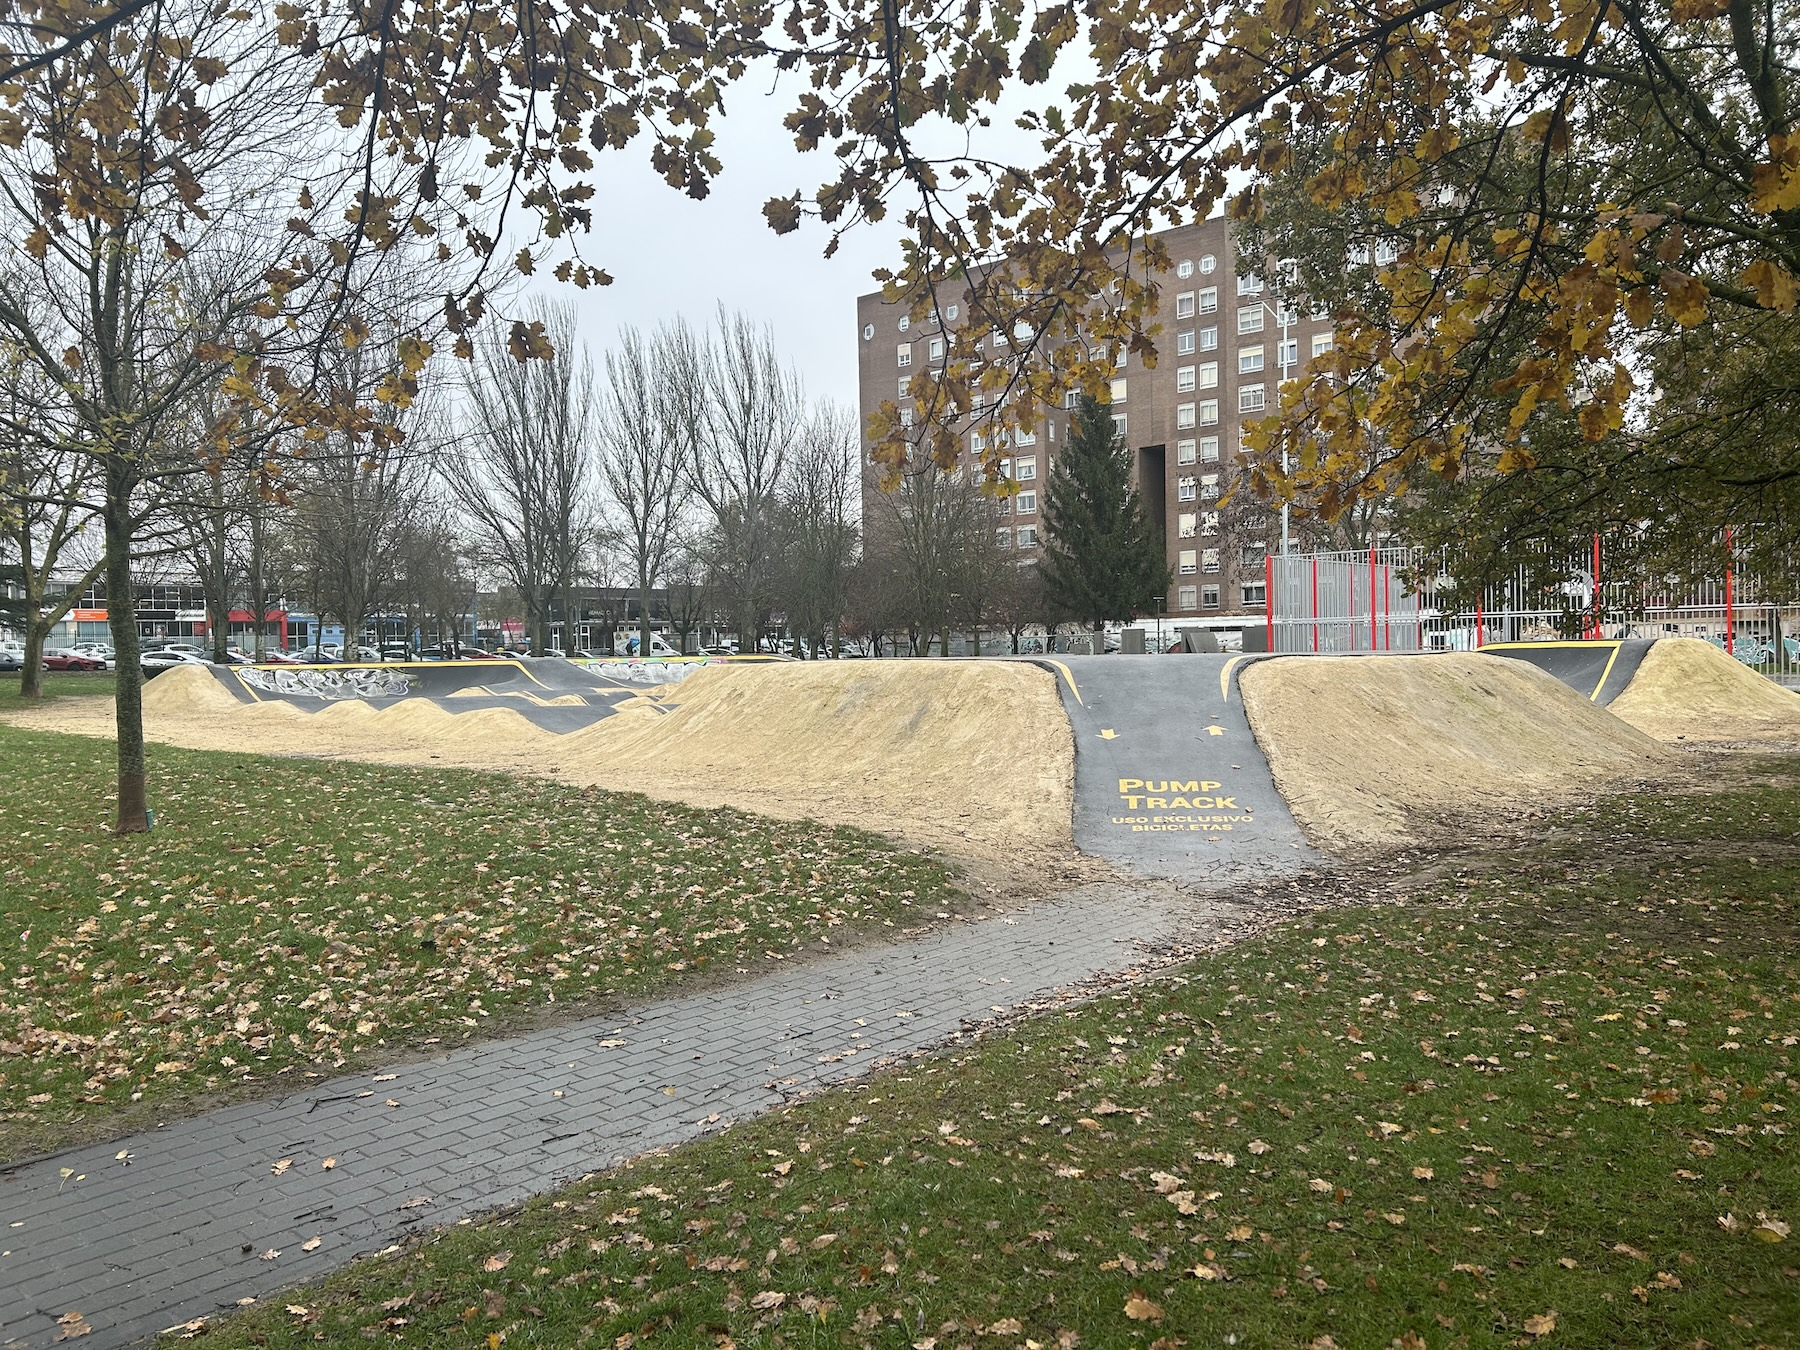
(148, 1246)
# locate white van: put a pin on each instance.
(625, 643)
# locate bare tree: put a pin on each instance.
(926, 529)
(522, 471)
(755, 413)
(48, 508)
(647, 443)
(819, 527)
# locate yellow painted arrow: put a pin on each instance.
(1108, 734)
(1215, 730)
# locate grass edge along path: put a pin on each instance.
(1544, 1105)
(290, 919)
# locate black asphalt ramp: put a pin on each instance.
(1169, 780)
(1598, 670)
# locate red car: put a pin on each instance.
(61, 658)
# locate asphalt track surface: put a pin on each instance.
(1169, 779)
(1598, 670)
(555, 695)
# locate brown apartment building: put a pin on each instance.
(1225, 344)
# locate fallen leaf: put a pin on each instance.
(70, 1325)
(328, 1164)
(1259, 1147)
(1541, 1325)
(1140, 1309)
(297, 1309)
(1006, 1326)
(281, 1167)
(767, 1299)
(1625, 1249)
(1770, 1230)
(269, 1255)
(1242, 1232)
(821, 1242)
(1423, 1174)
(1320, 1185)
(498, 1261)
(311, 1244)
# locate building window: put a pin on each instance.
(1289, 354)
(1252, 555)
(1255, 592)
(1321, 343)
(1072, 398)
(937, 350)
(1184, 380)
(905, 381)
(906, 354)
(1184, 342)
(1250, 398)
(1184, 269)
(950, 314)
(1209, 597)
(1250, 319)
(1025, 438)
(1184, 416)
(1209, 375)
(1184, 305)
(1118, 391)
(1386, 253)
(1208, 265)
(999, 338)
(1209, 560)
(1185, 524)
(1185, 489)
(1209, 449)
(1189, 563)
(1027, 468)
(1027, 536)
(976, 443)
(1250, 360)
(1025, 503)
(1003, 537)
(1209, 487)
(906, 417)
(1119, 425)
(1022, 331)
(1249, 285)
(1184, 452)
(905, 323)
(1209, 522)
(1209, 413)
(1209, 339)
(1209, 300)
(1186, 597)
(1006, 468)
(868, 331)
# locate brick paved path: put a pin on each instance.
(181, 1232)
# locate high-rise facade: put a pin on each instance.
(1225, 346)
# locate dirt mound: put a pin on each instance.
(968, 755)
(1689, 690)
(1372, 751)
(972, 757)
(188, 691)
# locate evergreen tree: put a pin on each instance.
(1103, 557)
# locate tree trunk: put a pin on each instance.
(31, 678)
(121, 618)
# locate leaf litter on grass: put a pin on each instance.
(1501, 1114)
(287, 916)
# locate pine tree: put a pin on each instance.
(1103, 558)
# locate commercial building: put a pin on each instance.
(1225, 346)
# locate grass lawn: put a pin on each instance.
(1550, 1100)
(57, 684)
(290, 916)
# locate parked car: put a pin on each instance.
(163, 658)
(101, 650)
(396, 651)
(62, 658)
(11, 659)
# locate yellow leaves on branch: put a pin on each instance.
(1684, 297)
(1773, 284)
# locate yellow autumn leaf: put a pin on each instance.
(1684, 297)
(1540, 1325)
(1773, 284)
(1140, 1309)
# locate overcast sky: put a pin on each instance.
(670, 255)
